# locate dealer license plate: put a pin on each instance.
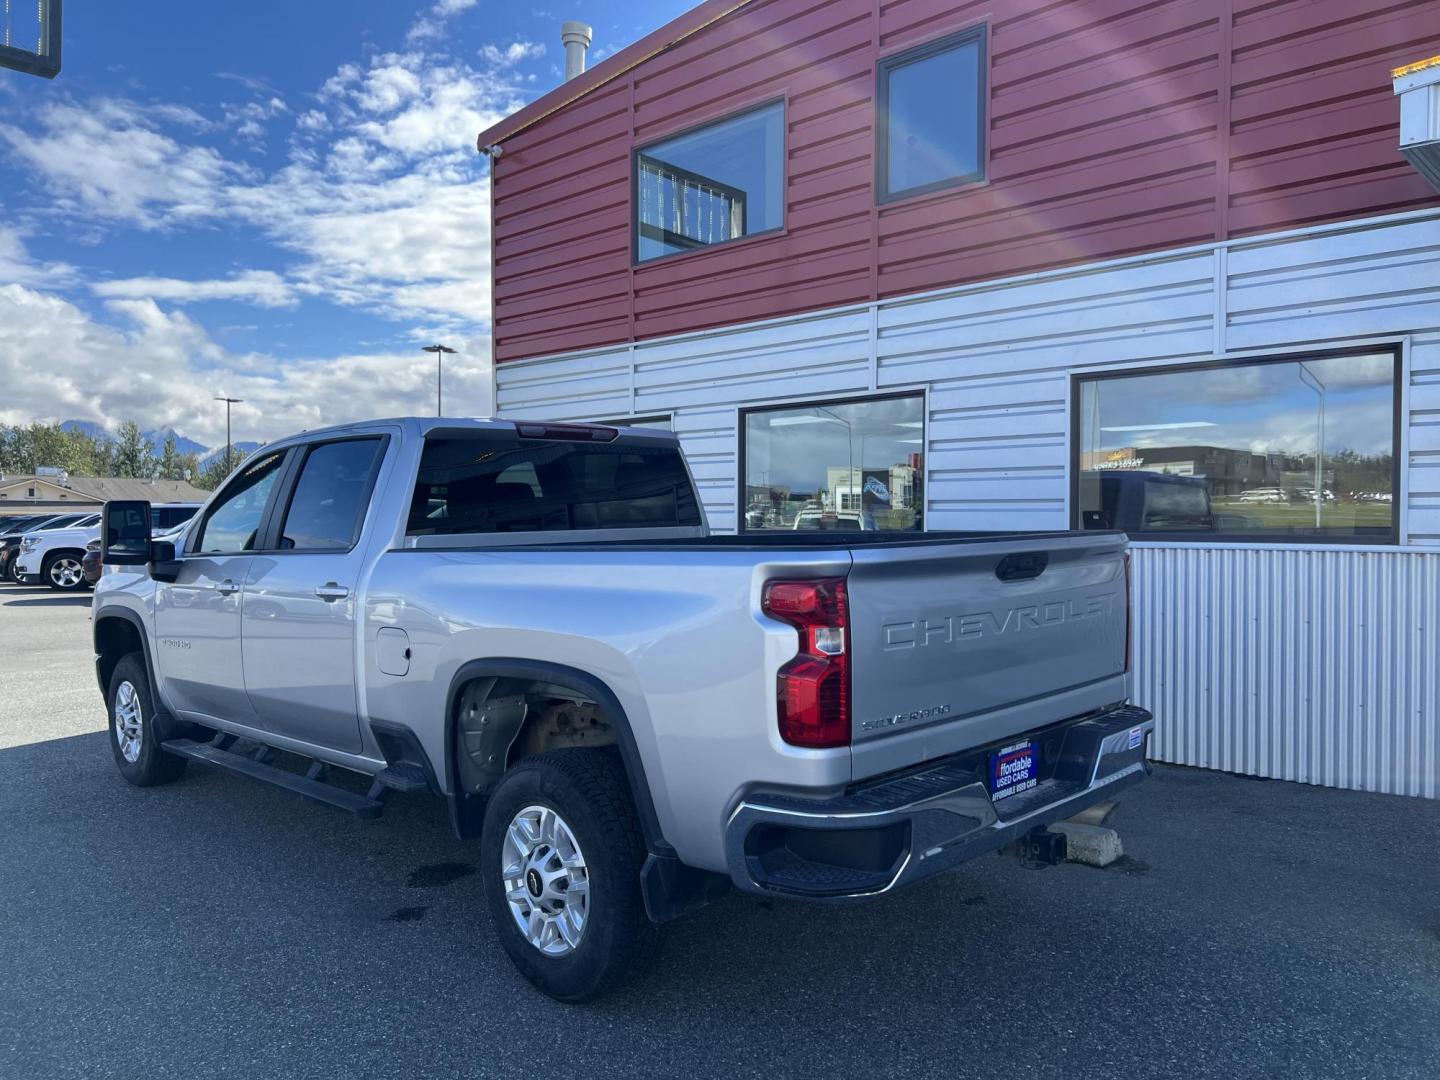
(1014, 769)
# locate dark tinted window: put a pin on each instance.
(167, 517)
(931, 113)
(1176, 506)
(493, 484)
(234, 523)
(329, 501)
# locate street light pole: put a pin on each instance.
(228, 402)
(850, 450)
(440, 351)
(1318, 385)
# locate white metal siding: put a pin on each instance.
(1310, 665)
(997, 360)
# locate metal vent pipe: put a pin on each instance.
(576, 37)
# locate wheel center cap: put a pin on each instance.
(533, 882)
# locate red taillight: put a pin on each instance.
(813, 690)
(1129, 616)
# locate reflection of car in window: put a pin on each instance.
(1263, 495)
(1135, 501)
(831, 519)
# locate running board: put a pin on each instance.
(309, 786)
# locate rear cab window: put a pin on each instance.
(1170, 505)
(497, 482)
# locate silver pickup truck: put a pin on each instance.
(629, 713)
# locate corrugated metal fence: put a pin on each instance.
(1318, 665)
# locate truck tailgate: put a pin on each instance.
(957, 645)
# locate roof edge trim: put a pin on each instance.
(610, 69)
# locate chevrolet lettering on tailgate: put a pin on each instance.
(951, 628)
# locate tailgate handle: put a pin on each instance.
(1023, 566)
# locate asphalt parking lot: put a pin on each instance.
(218, 928)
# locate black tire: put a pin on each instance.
(51, 564)
(589, 791)
(150, 765)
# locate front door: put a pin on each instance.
(299, 612)
(197, 617)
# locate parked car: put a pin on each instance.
(832, 519)
(630, 714)
(1132, 500)
(88, 523)
(12, 530)
(92, 565)
(53, 556)
(1264, 495)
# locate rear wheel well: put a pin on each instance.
(501, 691)
(115, 638)
(500, 721)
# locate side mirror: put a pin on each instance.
(163, 564)
(125, 533)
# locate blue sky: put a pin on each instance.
(277, 201)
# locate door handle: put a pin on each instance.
(227, 588)
(331, 591)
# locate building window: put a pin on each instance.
(1300, 448)
(847, 465)
(711, 185)
(931, 116)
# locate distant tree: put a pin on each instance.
(1357, 472)
(134, 454)
(174, 465)
(14, 449)
(170, 465)
(213, 474)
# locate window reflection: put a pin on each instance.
(714, 184)
(931, 116)
(1280, 448)
(855, 465)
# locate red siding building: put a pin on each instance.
(1113, 128)
(918, 264)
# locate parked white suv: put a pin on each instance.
(53, 556)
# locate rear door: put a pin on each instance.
(300, 597)
(197, 616)
(959, 645)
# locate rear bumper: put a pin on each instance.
(878, 837)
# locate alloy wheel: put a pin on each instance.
(547, 884)
(129, 721)
(66, 573)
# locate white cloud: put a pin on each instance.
(110, 160)
(432, 23)
(381, 206)
(18, 267)
(384, 202)
(162, 370)
(264, 288)
(512, 54)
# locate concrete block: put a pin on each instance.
(1098, 814)
(1093, 845)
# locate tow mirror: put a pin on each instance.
(125, 536)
